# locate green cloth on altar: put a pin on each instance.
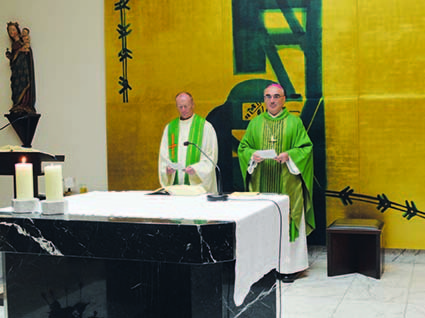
(193, 154)
(283, 133)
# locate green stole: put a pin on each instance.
(282, 133)
(193, 155)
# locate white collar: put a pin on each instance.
(187, 121)
(274, 116)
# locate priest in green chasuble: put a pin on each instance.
(288, 171)
(179, 164)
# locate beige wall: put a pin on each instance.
(68, 45)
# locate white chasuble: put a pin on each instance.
(205, 170)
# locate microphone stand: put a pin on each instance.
(212, 197)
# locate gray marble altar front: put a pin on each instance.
(399, 293)
(82, 266)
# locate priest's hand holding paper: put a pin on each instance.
(170, 170)
(172, 167)
(282, 158)
(189, 170)
(260, 155)
(257, 157)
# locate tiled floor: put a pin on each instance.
(400, 293)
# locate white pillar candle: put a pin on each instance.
(24, 181)
(53, 182)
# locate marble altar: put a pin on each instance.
(128, 254)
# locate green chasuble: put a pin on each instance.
(284, 133)
(193, 154)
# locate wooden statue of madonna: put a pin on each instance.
(22, 70)
(22, 115)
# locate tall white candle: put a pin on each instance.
(24, 181)
(53, 182)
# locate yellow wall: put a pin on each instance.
(177, 45)
(373, 61)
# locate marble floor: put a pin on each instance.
(400, 293)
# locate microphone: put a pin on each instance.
(212, 197)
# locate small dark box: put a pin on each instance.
(355, 246)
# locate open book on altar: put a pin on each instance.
(181, 190)
(10, 148)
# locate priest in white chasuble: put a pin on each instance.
(180, 164)
(276, 155)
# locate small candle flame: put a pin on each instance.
(24, 159)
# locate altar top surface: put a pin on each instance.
(139, 207)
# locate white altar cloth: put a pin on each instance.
(258, 227)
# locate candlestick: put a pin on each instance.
(53, 181)
(26, 206)
(54, 207)
(24, 181)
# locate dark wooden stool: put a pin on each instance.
(354, 246)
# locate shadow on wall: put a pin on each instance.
(229, 123)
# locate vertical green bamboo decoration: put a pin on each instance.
(123, 30)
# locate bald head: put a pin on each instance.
(185, 105)
(277, 85)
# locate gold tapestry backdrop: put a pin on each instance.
(373, 62)
(373, 57)
(175, 46)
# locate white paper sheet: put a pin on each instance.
(176, 166)
(267, 154)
